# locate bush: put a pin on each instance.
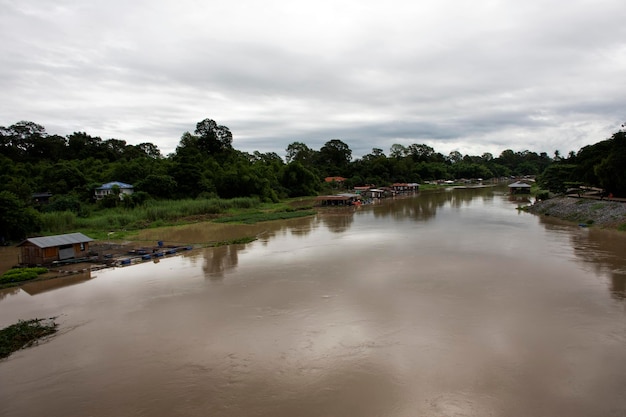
(21, 274)
(543, 195)
(23, 334)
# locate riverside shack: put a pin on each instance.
(48, 249)
(345, 199)
(519, 187)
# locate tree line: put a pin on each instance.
(205, 164)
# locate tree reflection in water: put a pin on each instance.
(601, 250)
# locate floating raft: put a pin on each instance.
(146, 254)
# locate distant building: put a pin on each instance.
(519, 187)
(47, 249)
(109, 188)
(346, 199)
(404, 187)
(40, 199)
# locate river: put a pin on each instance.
(449, 303)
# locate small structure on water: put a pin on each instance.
(519, 187)
(345, 199)
(48, 249)
(405, 187)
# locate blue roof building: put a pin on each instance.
(111, 187)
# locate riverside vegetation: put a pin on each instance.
(25, 333)
(206, 177)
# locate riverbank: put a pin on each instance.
(590, 212)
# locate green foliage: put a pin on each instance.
(610, 171)
(256, 217)
(556, 177)
(158, 185)
(21, 274)
(23, 334)
(542, 195)
(334, 158)
(16, 219)
(67, 202)
(58, 221)
(299, 181)
(205, 165)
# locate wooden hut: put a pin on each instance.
(345, 199)
(519, 187)
(48, 249)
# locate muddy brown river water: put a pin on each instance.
(444, 304)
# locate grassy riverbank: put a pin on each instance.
(24, 333)
(126, 221)
(590, 212)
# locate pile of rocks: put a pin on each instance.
(602, 213)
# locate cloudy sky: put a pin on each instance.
(479, 76)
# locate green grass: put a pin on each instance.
(24, 333)
(125, 222)
(239, 241)
(151, 214)
(260, 216)
(16, 275)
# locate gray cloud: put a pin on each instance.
(474, 77)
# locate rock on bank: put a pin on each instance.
(600, 213)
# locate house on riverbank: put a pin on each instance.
(48, 249)
(113, 187)
(345, 199)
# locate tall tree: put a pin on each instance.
(16, 219)
(335, 156)
(421, 153)
(213, 138)
(299, 152)
(611, 170)
(397, 151)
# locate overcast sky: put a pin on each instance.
(469, 76)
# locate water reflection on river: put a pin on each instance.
(447, 304)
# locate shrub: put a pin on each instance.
(23, 334)
(21, 274)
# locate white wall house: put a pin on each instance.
(109, 187)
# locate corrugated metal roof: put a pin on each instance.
(519, 185)
(112, 184)
(58, 240)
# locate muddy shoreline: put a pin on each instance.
(603, 214)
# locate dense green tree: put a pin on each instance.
(421, 153)
(299, 181)
(213, 139)
(397, 151)
(206, 164)
(455, 157)
(147, 149)
(158, 186)
(63, 177)
(586, 160)
(557, 177)
(82, 146)
(299, 152)
(611, 172)
(67, 202)
(470, 170)
(334, 157)
(17, 220)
